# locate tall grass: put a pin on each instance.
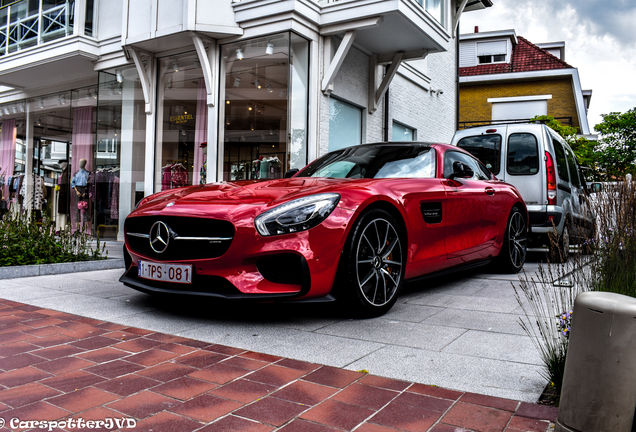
(604, 262)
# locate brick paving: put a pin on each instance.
(56, 366)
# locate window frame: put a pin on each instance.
(536, 143)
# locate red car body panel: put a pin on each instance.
(471, 229)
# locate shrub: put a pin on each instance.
(24, 241)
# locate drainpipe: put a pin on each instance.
(457, 78)
(386, 109)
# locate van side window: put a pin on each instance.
(523, 154)
(486, 148)
(562, 165)
(574, 169)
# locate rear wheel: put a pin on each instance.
(515, 248)
(560, 247)
(374, 264)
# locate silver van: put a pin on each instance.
(542, 166)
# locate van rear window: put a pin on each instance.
(486, 148)
(523, 154)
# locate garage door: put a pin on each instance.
(519, 110)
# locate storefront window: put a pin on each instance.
(264, 114)
(182, 123)
(345, 124)
(402, 133)
(119, 150)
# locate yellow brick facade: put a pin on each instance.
(473, 105)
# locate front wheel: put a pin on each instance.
(515, 248)
(374, 261)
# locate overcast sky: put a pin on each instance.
(599, 36)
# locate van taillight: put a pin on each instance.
(552, 182)
(491, 130)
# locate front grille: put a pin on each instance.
(180, 249)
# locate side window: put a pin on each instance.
(574, 169)
(480, 172)
(562, 164)
(523, 154)
(486, 148)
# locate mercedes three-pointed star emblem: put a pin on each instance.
(159, 237)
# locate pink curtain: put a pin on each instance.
(82, 149)
(7, 152)
(200, 131)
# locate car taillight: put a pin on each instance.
(552, 183)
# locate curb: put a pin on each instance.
(60, 268)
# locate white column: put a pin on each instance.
(127, 182)
(79, 18)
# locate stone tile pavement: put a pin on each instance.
(61, 367)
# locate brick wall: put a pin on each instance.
(473, 105)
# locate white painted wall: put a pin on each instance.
(109, 18)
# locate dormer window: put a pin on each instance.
(492, 52)
(497, 58)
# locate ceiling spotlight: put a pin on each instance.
(227, 102)
(39, 121)
(197, 63)
(237, 82)
(257, 83)
(21, 108)
(41, 103)
(61, 99)
(239, 54)
(6, 111)
(249, 107)
(242, 138)
(270, 49)
(175, 66)
(14, 110)
(120, 77)
(281, 93)
(269, 88)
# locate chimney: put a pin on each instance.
(476, 29)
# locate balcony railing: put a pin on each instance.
(19, 31)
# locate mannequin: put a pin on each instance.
(62, 198)
(204, 166)
(79, 184)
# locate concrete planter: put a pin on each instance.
(60, 268)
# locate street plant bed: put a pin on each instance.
(26, 241)
(547, 297)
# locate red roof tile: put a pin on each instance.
(526, 57)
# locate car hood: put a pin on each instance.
(264, 193)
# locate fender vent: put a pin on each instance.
(432, 212)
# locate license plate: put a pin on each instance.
(176, 273)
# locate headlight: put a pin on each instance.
(297, 215)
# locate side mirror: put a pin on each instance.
(461, 170)
(291, 172)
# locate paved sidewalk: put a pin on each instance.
(57, 366)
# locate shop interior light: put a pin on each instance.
(41, 103)
(242, 138)
(6, 111)
(39, 121)
(227, 102)
(249, 107)
(237, 82)
(14, 110)
(120, 77)
(281, 93)
(169, 85)
(269, 88)
(270, 49)
(257, 83)
(61, 100)
(239, 54)
(21, 108)
(175, 66)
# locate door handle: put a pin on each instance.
(490, 191)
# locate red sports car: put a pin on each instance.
(352, 225)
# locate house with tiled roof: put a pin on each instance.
(506, 78)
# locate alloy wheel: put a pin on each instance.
(379, 262)
(517, 240)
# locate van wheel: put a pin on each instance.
(560, 249)
(514, 250)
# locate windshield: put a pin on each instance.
(375, 161)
